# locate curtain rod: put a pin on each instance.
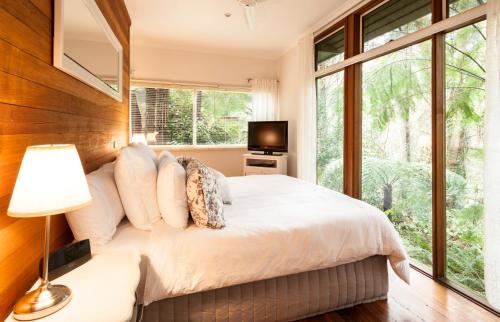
(251, 79)
(160, 83)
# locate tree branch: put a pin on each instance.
(468, 56)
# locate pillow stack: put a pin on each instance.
(147, 188)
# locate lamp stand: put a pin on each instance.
(47, 298)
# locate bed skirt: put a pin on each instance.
(284, 298)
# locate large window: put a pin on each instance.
(174, 116)
(412, 139)
(465, 105)
(396, 136)
(330, 131)
(394, 19)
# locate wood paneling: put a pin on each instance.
(422, 300)
(40, 104)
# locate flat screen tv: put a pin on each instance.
(268, 136)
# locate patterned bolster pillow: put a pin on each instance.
(204, 199)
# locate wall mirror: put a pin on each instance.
(86, 47)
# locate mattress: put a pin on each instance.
(284, 298)
(276, 226)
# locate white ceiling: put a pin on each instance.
(200, 25)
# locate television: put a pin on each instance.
(268, 136)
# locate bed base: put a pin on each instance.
(286, 298)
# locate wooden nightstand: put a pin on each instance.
(103, 290)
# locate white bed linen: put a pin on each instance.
(276, 226)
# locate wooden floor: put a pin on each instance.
(423, 300)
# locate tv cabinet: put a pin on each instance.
(264, 164)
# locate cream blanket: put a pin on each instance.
(277, 225)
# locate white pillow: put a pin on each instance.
(98, 221)
(225, 191)
(172, 198)
(135, 176)
(104, 180)
(165, 154)
(146, 150)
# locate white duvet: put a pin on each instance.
(276, 226)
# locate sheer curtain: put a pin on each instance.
(265, 102)
(306, 141)
(492, 157)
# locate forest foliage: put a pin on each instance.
(397, 145)
(167, 115)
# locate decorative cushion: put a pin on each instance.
(171, 192)
(184, 161)
(204, 199)
(98, 221)
(135, 176)
(223, 186)
(220, 179)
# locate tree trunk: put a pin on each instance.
(387, 196)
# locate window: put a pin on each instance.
(457, 6)
(396, 144)
(222, 117)
(465, 105)
(164, 115)
(412, 137)
(330, 131)
(394, 19)
(179, 116)
(330, 50)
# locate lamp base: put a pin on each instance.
(41, 302)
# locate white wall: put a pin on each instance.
(193, 67)
(182, 66)
(289, 102)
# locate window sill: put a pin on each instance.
(199, 147)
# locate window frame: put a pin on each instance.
(351, 65)
(194, 89)
(330, 32)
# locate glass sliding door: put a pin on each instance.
(330, 131)
(397, 141)
(465, 105)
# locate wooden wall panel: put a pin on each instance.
(40, 104)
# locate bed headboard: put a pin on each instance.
(40, 104)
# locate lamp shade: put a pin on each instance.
(50, 181)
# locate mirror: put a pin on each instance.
(86, 47)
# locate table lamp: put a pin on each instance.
(51, 181)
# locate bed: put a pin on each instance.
(290, 249)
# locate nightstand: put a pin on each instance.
(103, 290)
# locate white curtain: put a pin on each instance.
(492, 157)
(306, 134)
(265, 100)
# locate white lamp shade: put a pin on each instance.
(50, 181)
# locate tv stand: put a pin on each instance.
(258, 163)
